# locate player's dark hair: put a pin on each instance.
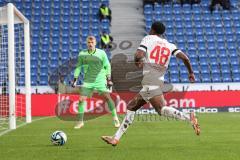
(158, 27)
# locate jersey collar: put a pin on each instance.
(92, 52)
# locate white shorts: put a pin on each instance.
(150, 91)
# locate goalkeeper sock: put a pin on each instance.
(112, 108)
(128, 120)
(174, 113)
(81, 108)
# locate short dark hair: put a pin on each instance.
(158, 27)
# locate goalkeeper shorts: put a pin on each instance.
(89, 90)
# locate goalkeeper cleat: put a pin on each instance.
(79, 125)
(195, 124)
(116, 123)
(110, 140)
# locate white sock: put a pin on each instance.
(174, 113)
(128, 119)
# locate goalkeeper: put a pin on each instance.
(97, 77)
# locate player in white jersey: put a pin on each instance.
(153, 55)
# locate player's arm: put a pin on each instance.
(141, 52)
(187, 63)
(139, 58)
(107, 66)
(77, 71)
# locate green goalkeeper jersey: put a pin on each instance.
(95, 67)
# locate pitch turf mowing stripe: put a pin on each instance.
(156, 140)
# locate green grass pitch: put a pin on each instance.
(160, 140)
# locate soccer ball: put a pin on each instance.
(58, 138)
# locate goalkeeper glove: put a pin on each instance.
(74, 82)
(109, 82)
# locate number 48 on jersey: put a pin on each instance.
(160, 55)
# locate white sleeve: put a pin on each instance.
(144, 43)
(174, 49)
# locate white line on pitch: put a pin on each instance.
(21, 125)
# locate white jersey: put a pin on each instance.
(158, 53)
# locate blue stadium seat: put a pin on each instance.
(176, 6)
(34, 63)
(198, 26)
(173, 69)
(184, 78)
(178, 17)
(105, 24)
(203, 60)
(44, 62)
(231, 45)
(236, 77)
(206, 77)
(174, 78)
(235, 68)
(34, 71)
(223, 55)
(204, 68)
(210, 39)
(43, 80)
(148, 10)
(197, 77)
(196, 8)
(226, 77)
(166, 77)
(148, 17)
(216, 77)
(43, 70)
(195, 67)
(225, 69)
(194, 61)
(34, 80)
(191, 44)
(234, 61)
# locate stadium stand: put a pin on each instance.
(58, 31)
(210, 40)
